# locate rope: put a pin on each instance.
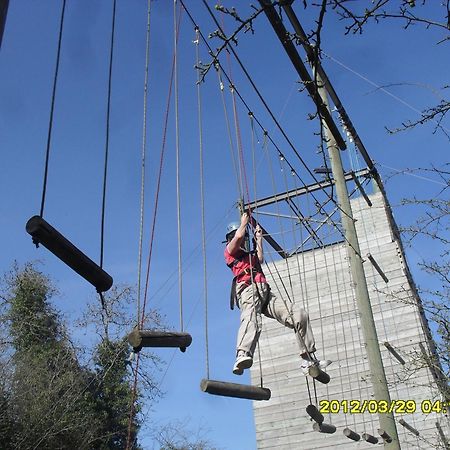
(252, 128)
(230, 138)
(108, 111)
(143, 153)
(132, 403)
(202, 198)
(158, 186)
(291, 145)
(177, 152)
(141, 320)
(52, 108)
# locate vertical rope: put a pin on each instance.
(230, 137)
(252, 128)
(202, 197)
(177, 151)
(108, 113)
(52, 108)
(143, 153)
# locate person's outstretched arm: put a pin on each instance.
(235, 244)
(259, 247)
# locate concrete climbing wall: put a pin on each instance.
(320, 279)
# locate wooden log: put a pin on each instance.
(369, 438)
(43, 233)
(319, 374)
(151, 338)
(234, 390)
(351, 434)
(324, 428)
(384, 435)
(314, 413)
(409, 427)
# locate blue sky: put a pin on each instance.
(410, 61)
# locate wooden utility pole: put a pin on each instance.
(378, 376)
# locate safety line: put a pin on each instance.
(230, 138)
(202, 197)
(143, 159)
(158, 186)
(381, 88)
(270, 112)
(177, 161)
(108, 113)
(52, 108)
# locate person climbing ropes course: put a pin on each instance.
(251, 293)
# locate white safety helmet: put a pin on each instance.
(231, 228)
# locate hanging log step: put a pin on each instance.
(409, 427)
(315, 414)
(324, 428)
(151, 338)
(351, 434)
(317, 373)
(384, 435)
(43, 233)
(369, 438)
(234, 390)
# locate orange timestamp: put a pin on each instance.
(382, 406)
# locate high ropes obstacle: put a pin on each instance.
(327, 198)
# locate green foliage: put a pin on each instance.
(113, 395)
(33, 323)
(47, 399)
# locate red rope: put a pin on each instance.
(238, 129)
(152, 235)
(163, 147)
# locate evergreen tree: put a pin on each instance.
(113, 395)
(49, 401)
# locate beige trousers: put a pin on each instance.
(288, 314)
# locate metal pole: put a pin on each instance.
(378, 375)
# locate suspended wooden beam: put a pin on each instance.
(394, 353)
(408, 427)
(377, 268)
(310, 86)
(43, 233)
(151, 338)
(324, 428)
(369, 438)
(315, 414)
(236, 390)
(317, 373)
(384, 435)
(351, 434)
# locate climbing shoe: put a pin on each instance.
(308, 363)
(243, 361)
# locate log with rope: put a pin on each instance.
(45, 234)
(245, 356)
(140, 337)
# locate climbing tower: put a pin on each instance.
(321, 279)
